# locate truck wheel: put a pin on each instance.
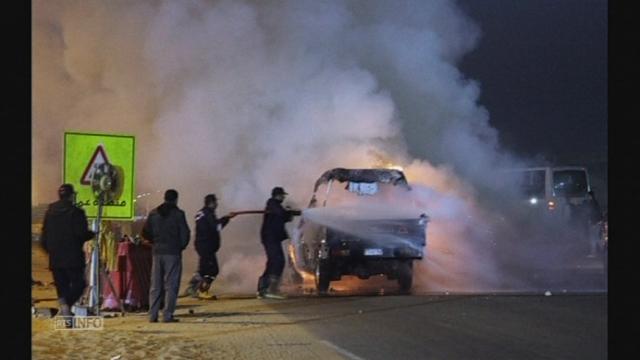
(405, 276)
(323, 276)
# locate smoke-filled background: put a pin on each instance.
(236, 97)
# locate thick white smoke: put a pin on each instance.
(236, 97)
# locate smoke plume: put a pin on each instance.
(236, 97)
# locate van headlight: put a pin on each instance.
(551, 205)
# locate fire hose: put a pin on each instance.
(246, 212)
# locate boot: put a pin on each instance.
(273, 292)
(65, 313)
(204, 295)
(65, 310)
(206, 282)
(263, 284)
(203, 289)
(192, 288)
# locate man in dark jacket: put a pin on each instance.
(167, 230)
(207, 242)
(272, 234)
(595, 223)
(64, 231)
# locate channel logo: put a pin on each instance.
(78, 323)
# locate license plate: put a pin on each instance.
(372, 252)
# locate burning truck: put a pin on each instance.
(371, 225)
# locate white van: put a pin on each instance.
(555, 187)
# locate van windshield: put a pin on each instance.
(570, 183)
(532, 183)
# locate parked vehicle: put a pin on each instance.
(361, 229)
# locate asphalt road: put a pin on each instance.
(457, 327)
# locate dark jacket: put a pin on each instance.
(208, 228)
(595, 213)
(166, 228)
(275, 217)
(64, 231)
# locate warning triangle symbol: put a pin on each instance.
(99, 157)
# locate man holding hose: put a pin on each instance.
(272, 234)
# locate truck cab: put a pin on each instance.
(360, 222)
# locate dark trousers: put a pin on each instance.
(208, 263)
(70, 283)
(275, 264)
(165, 282)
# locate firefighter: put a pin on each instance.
(64, 232)
(207, 242)
(272, 234)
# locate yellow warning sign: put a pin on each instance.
(83, 153)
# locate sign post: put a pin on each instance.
(83, 153)
(84, 157)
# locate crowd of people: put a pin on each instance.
(65, 230)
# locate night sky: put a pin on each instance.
(542, 68)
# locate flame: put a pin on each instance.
(391, 165)
(384, 161)
(307, 277)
